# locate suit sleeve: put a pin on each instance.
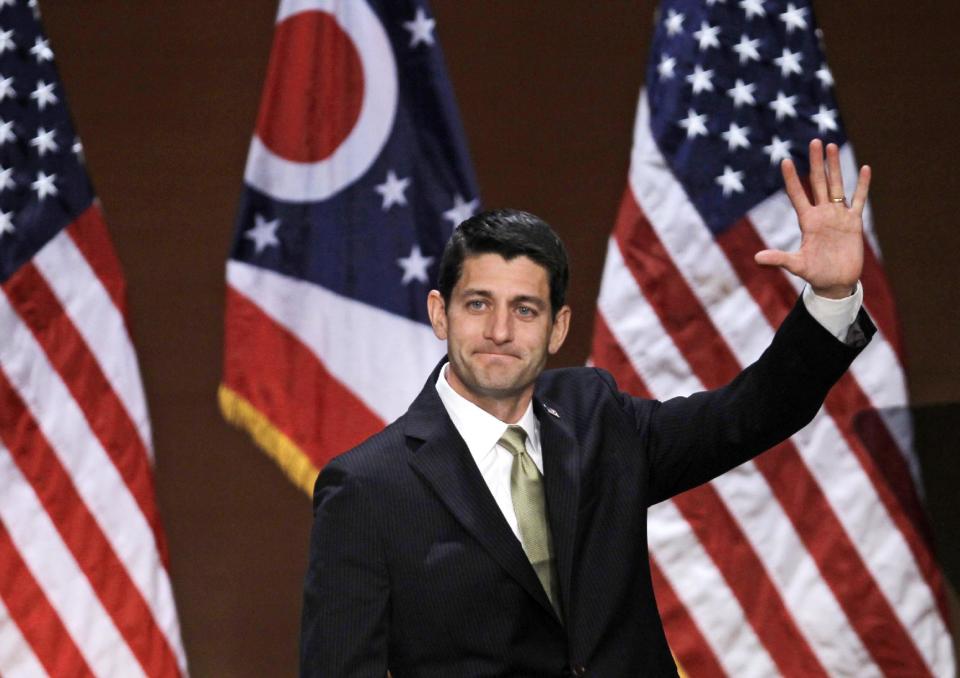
(346, 592)
(691, 440)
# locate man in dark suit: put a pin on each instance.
(498, 528)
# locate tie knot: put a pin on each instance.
(512, 440)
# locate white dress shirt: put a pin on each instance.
(482, 431)
(837, 315)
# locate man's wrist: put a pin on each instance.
(836, 291)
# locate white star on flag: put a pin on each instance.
(6, 132)
(6, 178)
(6, 88)
(793, 17)
(6, 222)
(789, 62)
(41, 50)
(707, 36)
(701, 79)
(784, 106)
(263, 233)
(825, 76)
(6, 41)
(674, 22)
(826, 119)
(461, 210)
(753, 8)
(44, 185)
(392, 190)
(742, 93)
(778, 150)
(43, 94)
(736, 137)
(44, 141)
(77, 148)
(731, 181)
(695, 124)
(421, 28)
(414, 266)
(747, 49)
(666, 66)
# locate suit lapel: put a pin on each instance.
(445, 464)
(561, 474)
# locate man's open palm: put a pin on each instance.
(830, 257)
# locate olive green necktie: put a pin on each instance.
(526, 488)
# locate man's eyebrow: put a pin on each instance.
(530, 300)
(473, 292)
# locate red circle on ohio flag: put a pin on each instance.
(314, 90)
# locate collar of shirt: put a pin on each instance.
(480, 429)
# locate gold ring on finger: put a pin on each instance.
(840, 199)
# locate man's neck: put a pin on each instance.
(508, 409)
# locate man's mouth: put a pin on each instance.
(495, 354)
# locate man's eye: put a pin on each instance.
(525, 310)
(475, 304)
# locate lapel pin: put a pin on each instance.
(552, 411)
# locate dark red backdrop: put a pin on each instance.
(165, 96)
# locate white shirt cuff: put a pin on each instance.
(836, 315)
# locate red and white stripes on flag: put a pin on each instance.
(813, 559)
(84, 587)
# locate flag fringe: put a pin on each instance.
(287, 454)
(680, 672)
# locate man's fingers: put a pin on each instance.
(798, 197)
(818, 175)
(787, 260)
(834, 174)
(863, 187)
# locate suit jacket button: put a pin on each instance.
(578, 670)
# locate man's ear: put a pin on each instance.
(558, 333)
(437, 310)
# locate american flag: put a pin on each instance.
(814, 559)
(84, 588)
(357, 174)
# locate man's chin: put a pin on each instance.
(496, 379)
(500, 385)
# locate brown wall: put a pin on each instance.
(165, 94)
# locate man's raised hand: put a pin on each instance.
(830, 257)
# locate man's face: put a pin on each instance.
(498, 327)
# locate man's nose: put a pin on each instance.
(500, 326)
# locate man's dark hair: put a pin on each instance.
(509, 233)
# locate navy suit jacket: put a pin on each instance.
(413, 567)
